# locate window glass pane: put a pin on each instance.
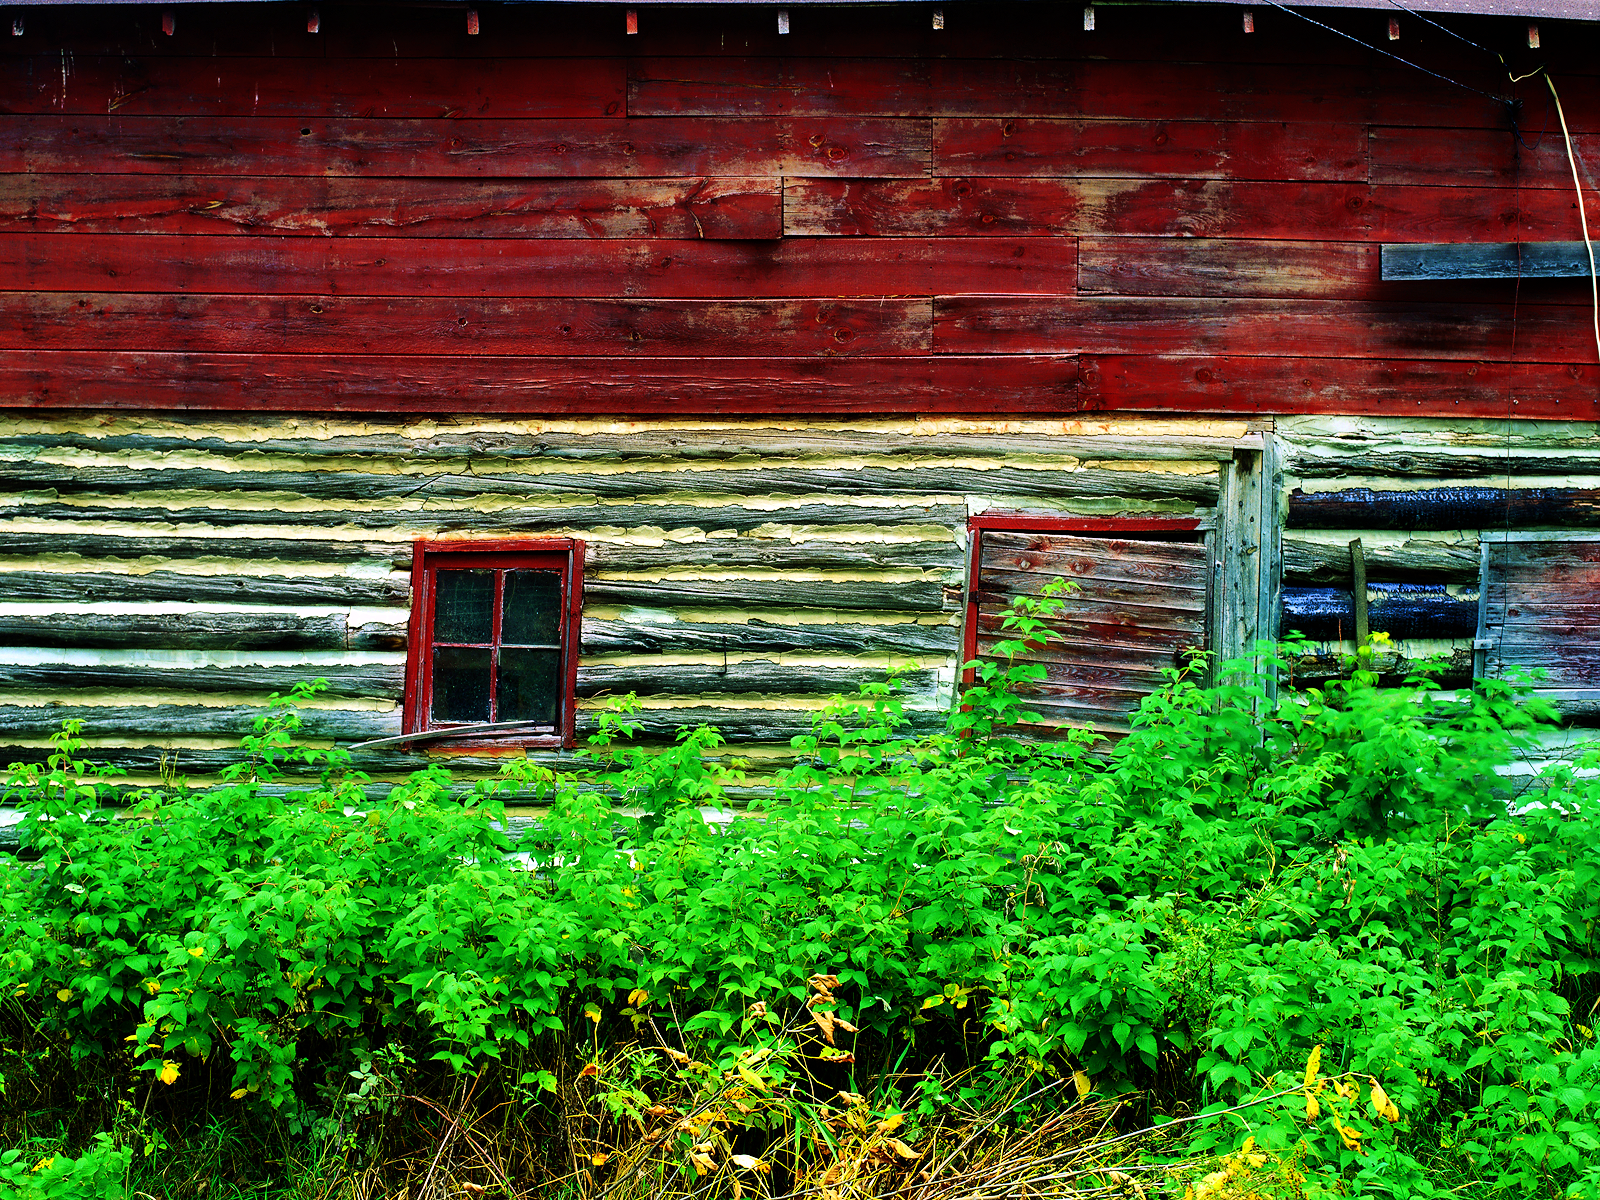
(532, 614)
(463, 606)
(530, 686)
(460, 684)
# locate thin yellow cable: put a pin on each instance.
(1572, 161)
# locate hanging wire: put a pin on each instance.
(1583, 218)
(1379, 50)
(1410, 12)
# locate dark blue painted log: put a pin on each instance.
(1486, 260)
(1402, 610)
(1445, 508)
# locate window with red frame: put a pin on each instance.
(494, 640)
(1139, 601)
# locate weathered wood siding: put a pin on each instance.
(1009, 215)
(162, 575)
(1425, 496)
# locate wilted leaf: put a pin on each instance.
(903, 1150)
(638, 997)
(1313, 1109)
(1083, 1083)
(592, 1012)
(825, 1022)
(677, 1056)
(589, 1069)
(890, 1123)
(238, 1093)
(851, 1098)
(750, 1162)
(599, 1160)
(1380, 1101)
(169, 1071)
(1313, 1065)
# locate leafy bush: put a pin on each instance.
(1192, 923)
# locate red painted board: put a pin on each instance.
(1214, 384)
(313, 87)
(1482, 158)
(302, 383)
(321, 325)
(796, 267)
(1011, 146)
(1139, 89)
(466, 147)
(1227, 267)
(547, 208)
(1167, 207)
(1230, 327)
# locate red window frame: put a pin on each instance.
(430, 557)
(1037, 523)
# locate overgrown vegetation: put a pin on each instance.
(1268, 946)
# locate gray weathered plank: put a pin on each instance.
(89, 585)
(378, 679)
(919, 596)
(199, 630)
(893, 638)
(186, 720)
(1306, 560)
(740, 678)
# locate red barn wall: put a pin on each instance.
(866, 215)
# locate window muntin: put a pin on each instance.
(494, 640)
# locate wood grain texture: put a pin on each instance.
(296, 383)
(1389, 387)
(1184, 149)
(1307, 560)
(745, 677)
(506, 267)
(198, 629)
(88, 586)
(462, 326)
(154, 85)
(1226, 267)
(186, 720)
(1455, 507)
(1477, 158)
(381, 681)
(755, 635)
(694, 208)
(464, 147)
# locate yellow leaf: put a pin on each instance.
(1313, 1065)
(197, 951)
(638, 997)
(932, 1002)
(152, 986)
(890, 1123)
(1380, 1101)
(589, 1069)
(1350, 1138)
(64, 995)
(592, 1012)
(750, 1162)
(598, 1160)
(1083, 1083)
(903, 1150)
(169, 1071)
(238, 1093)
(1312, 1107)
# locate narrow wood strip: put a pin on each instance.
(845, 595)
(305, 383)
(1308, 561)
(1445, 508)
(1124, 618)
(1181, 595)
(694, 208)
(336, 325)
(465, 147)
(1385, 387)
(88, 586)
(743, 635)
(650, 267)
(1189, 149)
(26, 543)
(198, 629)
(745, 677)
(185, 720)
(1403, 610)
(382, 681)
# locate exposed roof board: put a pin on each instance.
(1576, 10)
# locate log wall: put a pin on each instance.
(1008, 215)
(162, 575)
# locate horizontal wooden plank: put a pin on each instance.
(1092, 88)
(383, 681)
(1166, 207)
(152, 85)
(1120, 633)
(1091, 618)
(506, 519)
(1200, 266)
(1405, 610)
(503, 268)
(935, 478)
(1187, 149)
(1315, 328)
(88, 586)
(1445, 508)
(1307, 560)
(1091, 662)
(741, 678)
(1412, 458)
(1477, 158)
(197, 629)
(186, 720)
(462, 325)
(1539, 559)
(464, 147)
(1107, 556)
(1488, 260)
(741, 634)
(30, 543)
(1385, 387)
(694, 207)
(920, 596)
(1185, 594)
(306, 383)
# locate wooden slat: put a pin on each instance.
(741, 635)
(1476, 158)
(740, 678)
(153, 85)
(186, 720)
(921, 596)
(377, 680)
(1187, 149)
(332, 325)
(197, 629)
(1226, 326)
(1386, 387)
(1445, 508)
(694, 207)
(1123, 630)
(1404, 610)
(639, 268)
(290, 383)
(1168, 207)
(1185, 596)
(464, 147)
(1307, 560)
(88, 586)
(1489, 260)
